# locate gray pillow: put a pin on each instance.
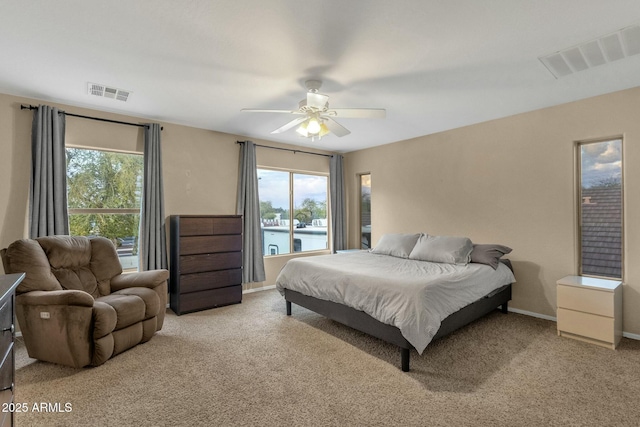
(398, 245)
(489, 254)
(447, 249)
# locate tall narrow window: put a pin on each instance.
(365, 211)
(601, 208)
(104, 192)
(305, 195)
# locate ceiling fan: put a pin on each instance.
(316, 118)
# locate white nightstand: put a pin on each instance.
(590, 310)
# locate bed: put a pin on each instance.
(405, 301)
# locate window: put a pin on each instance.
(600, 208)
(283, 193)
(365, 211)
(104, 192)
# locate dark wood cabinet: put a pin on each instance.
(206, 261)
(8, 284)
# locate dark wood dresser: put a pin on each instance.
(206, 261)
(8, 285)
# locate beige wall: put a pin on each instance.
(200, 166)
(508, 181)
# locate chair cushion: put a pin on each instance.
(130, 309)
(78, 279)
(105, 319)
(126, 338)
(149, 296)
(27, 256)
(105, 263)
(66, 251)
(69, 257)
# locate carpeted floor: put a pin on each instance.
(251, 365)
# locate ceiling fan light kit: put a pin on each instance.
(313, 128)
(317, 118)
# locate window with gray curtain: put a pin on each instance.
(153, 243)
(249, 207)
(48, 213)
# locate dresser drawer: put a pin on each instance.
(6, 418)
(586, 325)
(209, 299)
(6, 369)
(6, 326)
(202, 226)
(210, 244)
(197, 226)
(210, 262)
(210, 280)
(586, 300)
(6, 315)
(230, 225)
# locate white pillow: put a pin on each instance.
(447, 249)
(398, 245)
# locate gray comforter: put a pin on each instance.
(414, 296)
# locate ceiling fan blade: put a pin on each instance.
(256, 110)
(358, 113)
(336, 128)
(317, 100)
(291, 124)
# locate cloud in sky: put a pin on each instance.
(601, 161)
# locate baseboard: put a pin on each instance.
(554, 319)
(532, 314)
(631, 336)
(264, 288)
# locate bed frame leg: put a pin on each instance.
(404, 355)
(505, 307)
(288, 308)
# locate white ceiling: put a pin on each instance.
(434, 65)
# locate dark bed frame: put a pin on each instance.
(362, 322)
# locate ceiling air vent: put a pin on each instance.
(108, 92)
(608, 48)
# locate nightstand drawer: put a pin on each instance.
(587, 325)
(586, 300)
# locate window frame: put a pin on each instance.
(579, 201)
(360, 175)
(292, 229)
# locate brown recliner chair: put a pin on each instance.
(75, 307)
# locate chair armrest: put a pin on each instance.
(146, 279)
(64, 297)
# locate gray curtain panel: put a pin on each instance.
(338, 208)
(48, 212)
(152, 242)
(249, 207)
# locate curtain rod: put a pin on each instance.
(288, 149)
(33, 107)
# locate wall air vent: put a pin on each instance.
(608, 48)
(108, 92)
